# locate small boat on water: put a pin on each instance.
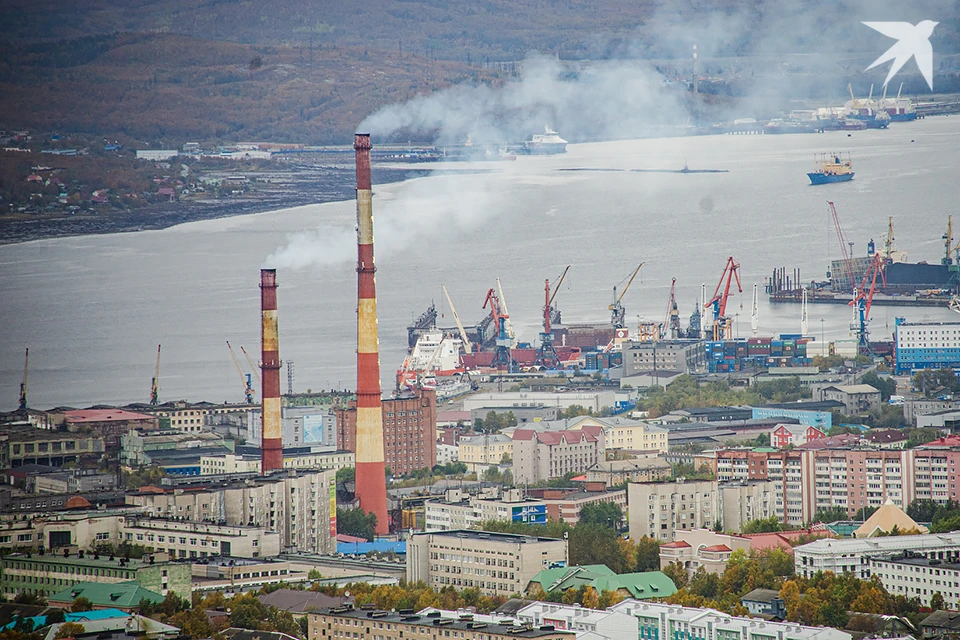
(546, 143)
(830, 167)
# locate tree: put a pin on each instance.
(314, 574)
(606, 514)
(676, 572)
(81, 604)
(930, 382)
(886, 386)
(356, 522)
(346, 475)
(55, 616)
(763, 525)
(590, 599)
(833, 514)
(595, 544)
(790, 594)
(936, 601)
(648, 554)
(69, 630)
(192, 622)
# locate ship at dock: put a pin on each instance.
(830, 167)
(547, 143)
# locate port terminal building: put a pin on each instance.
(926, 345)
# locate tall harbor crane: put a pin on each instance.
(501, 357)
(617, 312)
(863, 300)
(546, 354)
(506, 312)
(755, 313)
(245, 378)
(671, 319)
(847, 257)
(253, 365)
(467, 345)
(155, 384)
(722, 326)
(23, 384)
(948, 243)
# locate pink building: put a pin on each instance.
(784, 435)
(552, 454)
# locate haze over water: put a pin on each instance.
(93, 309)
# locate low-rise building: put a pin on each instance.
(457, 510)
(918, 577)
(590, 623)
(765, 602)
(784, 435)
(565, 504)
(345, 621)
(228, 463)
(701, 548)
(73, 481)
(616, 472)
(184, 539)
(494, 563)
(662, 620)
(856, 398)
(523, 414)
(124, 596)
(46, 574)
(226, 574)
(947, 420)
(888, 438)
(23, 445)
(685, 356)
(642, 585)
(480, 451)
(108, 424)
(854, 555)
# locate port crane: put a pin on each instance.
(547, 355)
(245, 378)
(506, 312)
(671, 319)
(467, 345)
(501, 357)
(722, 327)
(948, 243)
(253, 365)
(863, 300)
(847, 257)
(755, 313)
(155, 384)
(617, 312)
(23, 385)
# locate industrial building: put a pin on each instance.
(23, 445)
(926, 345)
(685, 356)
(495, 563)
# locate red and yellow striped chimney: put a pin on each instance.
(271, 449)
(370, 481)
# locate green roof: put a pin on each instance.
(649, 584)
(118, 594)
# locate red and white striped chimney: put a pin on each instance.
(271, 449)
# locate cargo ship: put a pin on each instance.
(435, 356)
(900, 109)
(547, 143)
(831, 168)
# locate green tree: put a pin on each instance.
(763, 525)
(192, 622)
(606, 514)
(356, 522)
(69, 630)
(346, 475)
(648, 554)
(676, 572)
(886, 386)
(81, 604)
(833, 514)
(314, 574)
(936, 601)
(55, 615)
(596, 544)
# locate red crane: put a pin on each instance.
(721, 323)
(863, 300)
(847, 258)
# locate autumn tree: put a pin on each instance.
(69, 630)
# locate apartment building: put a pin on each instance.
(566, 503)
(657, 620)
(685, 356)
(624, 433)
(919, 578)
(495, 563)
(46, 574)
(856, 398)
(551, 454)
(228, 463)
(347, 622)
(659, 509)
(854, 555)
(481, 451)
(589, 622)
(194, 417)
(299, 505)
(792, 475)
(741, 502)
(457, 510)
(409, 431)
(193, 540)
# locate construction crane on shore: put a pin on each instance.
(155, 384)
(863, 300)
(501, 357)
(617, 312)
(23, 384)
(245, 378)
(467, 345)
(253, 365)
(722, 326)
(847, 254)
(547, 354)
(671, 319)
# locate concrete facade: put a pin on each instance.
(494, 563)
(543, 455)
(856, 398)
(481, 451)
(686, 356)
(854, 555)
(658, 510)
(701, 548)
(739, 503)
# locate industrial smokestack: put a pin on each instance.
(271, 448)
(370, 481)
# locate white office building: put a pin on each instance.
(854, 555)
(586, 623)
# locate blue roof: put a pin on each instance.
(380, 546)
(82, 616)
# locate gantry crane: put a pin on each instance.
(863, 300)
(617, 312)
(253, 365)
(722, 327)
(671, 319)
(546, 354)
(467, 345)
(155, 384)
(23, 385)
(506, 312)
(847, 257)
(245, 378)
(501, 357)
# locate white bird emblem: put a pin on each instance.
(912, 42)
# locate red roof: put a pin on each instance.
(679, 544)
(342, 537)
(718, 548)
(579, 479)
(103, 415)
(77, 502)
(524, 434)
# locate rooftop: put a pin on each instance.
(833, 546)
(103, 415)
(761, 595)
(486, 536)
(886, 436)
(854, 388)
(89, 560)
(435, 618)
(122, 594)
